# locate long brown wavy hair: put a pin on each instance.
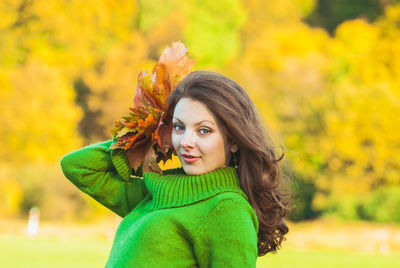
(258, 169)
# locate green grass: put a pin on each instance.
(20, 251)
(44, 252)
(327, 259)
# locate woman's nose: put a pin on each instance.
(188, 139)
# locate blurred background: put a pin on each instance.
(324, 75)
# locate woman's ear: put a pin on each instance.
(234, 148)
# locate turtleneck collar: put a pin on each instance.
(179, 189)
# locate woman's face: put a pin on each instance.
(197, 139)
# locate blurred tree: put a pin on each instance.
(160, 23)
(44, 46)
(382, 205)
(261, 13)
(153, 12)
(360, 141)
(106, 93)
(69, 34)
(35, 126)
(331, 99)
(193, 22)
(11, 195)
(302, 203)
(330, 13)
(282, 66)
(212, 31)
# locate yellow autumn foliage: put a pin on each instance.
(68, 70)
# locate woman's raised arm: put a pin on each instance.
(105, 175)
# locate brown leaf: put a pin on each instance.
(162, 135)
(150, 161)
(136, 156)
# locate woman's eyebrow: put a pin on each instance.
(198, 123)
(177, 119)
(203, 121)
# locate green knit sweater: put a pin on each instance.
(169, 220)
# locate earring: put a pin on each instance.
(235, 160)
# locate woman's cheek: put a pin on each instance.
(175, 141)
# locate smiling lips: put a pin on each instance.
(190, 158)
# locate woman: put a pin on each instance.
(223, 208)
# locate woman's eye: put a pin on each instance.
(204, 131)
(178, 127)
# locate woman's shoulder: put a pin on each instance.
(230, 207)
(230, 198)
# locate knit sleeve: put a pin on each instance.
(104, 175)
(228, 236)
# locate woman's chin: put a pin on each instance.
(191, 170)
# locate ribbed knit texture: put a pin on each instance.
(121, 163)
(171, 220)
(181, 189)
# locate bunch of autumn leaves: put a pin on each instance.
(145, 133)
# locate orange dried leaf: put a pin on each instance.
(176, 62)
(148, 122)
